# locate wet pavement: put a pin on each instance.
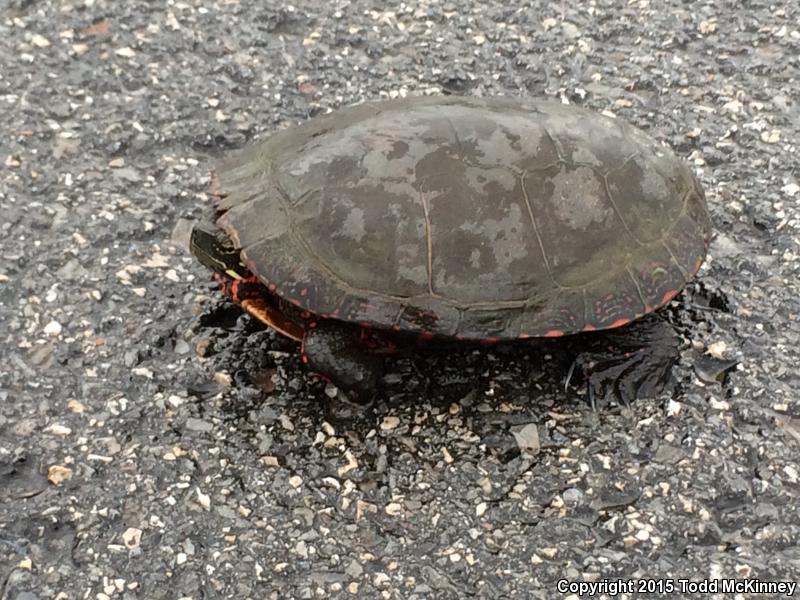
(156, 443)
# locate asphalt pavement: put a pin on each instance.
(156, 443)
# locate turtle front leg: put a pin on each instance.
(335, 351)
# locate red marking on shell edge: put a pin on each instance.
(554, 333)
(312, 324)
(294, 301)
(396, 327)
(668, 296)
(589, 327)
(523, 336)
(304, 359)
(648, 308)
(697, 264)
(490, 341)
(425, 336)
(619, 323)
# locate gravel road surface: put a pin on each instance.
(156, 443)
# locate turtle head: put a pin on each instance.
(215, 250)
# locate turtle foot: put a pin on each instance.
(629, 364)
(335, 351)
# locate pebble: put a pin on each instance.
(527, 437)
(58, 474)
(53, 328)
(389, 422)
(393, 508)
(132, 537)
(203, 499)
(195, 424)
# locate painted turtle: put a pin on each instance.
(483, 219)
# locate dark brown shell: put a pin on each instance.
(477, 218)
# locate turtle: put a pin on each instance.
(408, 222)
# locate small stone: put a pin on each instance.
(132, 537)
(743, 571)
(301, 549)
(203, 346)
(791, 189)
(125, 52)
(203, 500)
(771, 136)
(527, 437)
(673, 408)
(295, 481)
(143, 372)
(549, 552)
(706, 27)
(194, 424)
(286, 422)
(57, 429)
(58, 474)
(352, 463)
(481, 508)
(448, 458)
(389, 423)
(549, 23)
(116, 163)
(75, 406)
(223, 378)
(717, 349)
(393, 508)
(180, 558)
(175, 401)
(53, 328)
(269, 461)
(40, 41)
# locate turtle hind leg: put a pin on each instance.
(627, 364)
(335, 351)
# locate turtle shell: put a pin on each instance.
(466, 217)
